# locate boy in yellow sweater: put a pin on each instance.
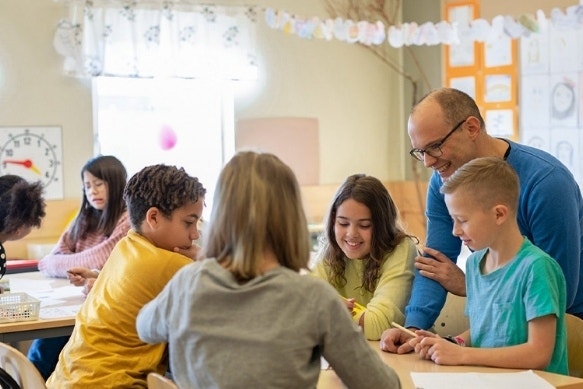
(104, 351)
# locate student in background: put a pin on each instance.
(22, 208)
(515, 291)
(101, 222)
(164, 205)
(366, 255)
(244, 317)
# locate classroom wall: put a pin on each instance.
(425, 63)
(355, 97)
(32, 90)
(491, 8)
(359, 101)
(353, 94)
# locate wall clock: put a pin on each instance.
(34, 153)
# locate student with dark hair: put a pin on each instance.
(164, 205)
(23, 207)
(101, 222)
(366, 255)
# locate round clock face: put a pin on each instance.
(34, 154)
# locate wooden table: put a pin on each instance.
(407, 363)
(56, 295)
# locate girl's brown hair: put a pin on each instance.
(387, 232)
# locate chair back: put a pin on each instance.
(158, 381)
(452, 320)
(575, 345)
(16, 371)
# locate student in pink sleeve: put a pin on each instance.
(85, 246)
(101, 221)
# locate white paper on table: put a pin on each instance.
(67, 291)
(57, 295)
(58, 312)
(523, 379)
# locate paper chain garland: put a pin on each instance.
(407, 34)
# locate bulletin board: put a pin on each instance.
(487, 70)
(551, 86)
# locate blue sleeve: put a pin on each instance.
(428, 296)
(550, 218)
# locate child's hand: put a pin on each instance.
(88, 285)
(78, 275)
(416, 341)
(431, 346)
(349, 304)
(192, 252)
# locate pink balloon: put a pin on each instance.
(167, 137)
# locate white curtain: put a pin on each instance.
(155, 38)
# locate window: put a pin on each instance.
(184, 122)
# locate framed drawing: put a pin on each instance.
(465, 84)
(500, 123)
(463, 54)
(498, 88)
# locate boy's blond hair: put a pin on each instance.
(486, 181)
(257, 206)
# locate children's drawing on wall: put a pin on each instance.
(498, 51)
(534, 52)
(565, 146)
(539, 138)
(500, 122)
(498, 88)
(462, 54)
(535, 102)
(564, 152)
(564, 56)
(580, 100)
(551, 80)
(563, 99)
(465, 84)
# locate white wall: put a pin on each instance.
(355, 96)
(32, 90)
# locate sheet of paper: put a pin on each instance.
(58, 312)
(523, 379)
(58, 296)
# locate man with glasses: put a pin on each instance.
(447, 130)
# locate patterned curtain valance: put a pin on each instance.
(170, 38)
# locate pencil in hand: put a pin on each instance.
(405, 330)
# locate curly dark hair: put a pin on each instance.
(387, 232)
(22, 202)
(164, 187)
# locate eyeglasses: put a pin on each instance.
(434, 150)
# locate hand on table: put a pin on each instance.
(88, 285)
(395, 341)
(443, 270)
(431, 346)
(78, 276)
(349, 302)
